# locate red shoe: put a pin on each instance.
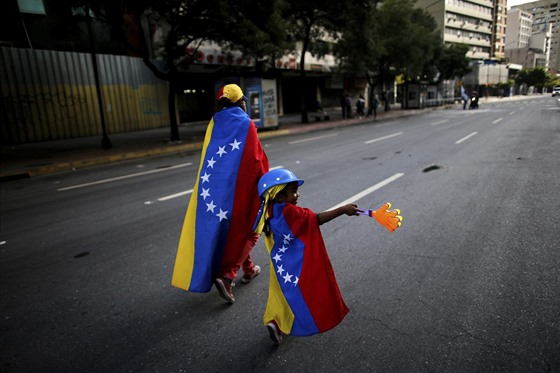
(225, 288)
(247, 277)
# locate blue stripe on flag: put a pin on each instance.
(216, 188)
(287, 258)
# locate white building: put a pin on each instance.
(546, 19)
(499, 35)
(467, 22)
(519, 29)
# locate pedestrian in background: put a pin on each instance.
(348, 101)
(343, 105)
(374, 103)
(217, 235)
(360, 106)
(388, 100)
(465, 97)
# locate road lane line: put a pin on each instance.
(312, 138)
(440, 122)
(124, 177)
(384, 137)
(466, 138)
(186, 192)
(367, 191)
(176, 195)
(513, 112)
(497, 120)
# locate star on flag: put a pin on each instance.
(205, 178)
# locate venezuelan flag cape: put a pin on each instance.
(303, 298)
(224, 201)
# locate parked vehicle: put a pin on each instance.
(556, 91)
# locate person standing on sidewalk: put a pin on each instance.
(360, 106)
(374, 103)
(217, 235)
(343, 105)
(348, 101)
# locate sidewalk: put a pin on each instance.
(28, 160)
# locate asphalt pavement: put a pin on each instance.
(33, 159)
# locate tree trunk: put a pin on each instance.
(304, 116)
(173, 125)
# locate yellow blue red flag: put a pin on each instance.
(304, 298)
(224, 201)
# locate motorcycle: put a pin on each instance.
(473, 102)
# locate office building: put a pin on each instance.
(467, 22)
(499, 34)
(519, 29)
(546, 23)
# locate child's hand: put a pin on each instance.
(389, 219)
(350, 209)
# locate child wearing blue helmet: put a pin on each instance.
(304, 298)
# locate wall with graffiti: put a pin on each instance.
(50, 95)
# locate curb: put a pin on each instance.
(70, 166)
(25, 173)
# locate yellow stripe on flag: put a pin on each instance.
(277, 308)
(184, 262)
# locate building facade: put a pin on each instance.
(519, 29)
(499, 34)
(467, 22)
(546, 20)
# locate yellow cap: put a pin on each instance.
(232, 92)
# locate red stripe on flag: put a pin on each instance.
(246, 203)
(317, 280)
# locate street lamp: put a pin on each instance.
(487, 78)
(105, 141)
(85, 12)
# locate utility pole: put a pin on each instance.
(105, 142)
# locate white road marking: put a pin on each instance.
(186, 192)
(367, 191)
(124, 177)
(513, 112)
(440, 122)
(384, 137)
(312, 138)
(466, 138)
(497, 120)
(176, 195)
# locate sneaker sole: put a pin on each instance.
(274, 333)
(247, 280)
(223, 291)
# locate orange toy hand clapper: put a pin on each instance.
(390, 219)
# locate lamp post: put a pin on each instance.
(487, 76)
(105, 141)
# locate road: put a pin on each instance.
(469, 283)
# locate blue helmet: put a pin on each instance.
(276, 177)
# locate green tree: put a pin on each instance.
(312, 23)
(533, 78)
(452, 61)
(256, 28)
(389, 38)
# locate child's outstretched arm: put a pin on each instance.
(349, 209)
